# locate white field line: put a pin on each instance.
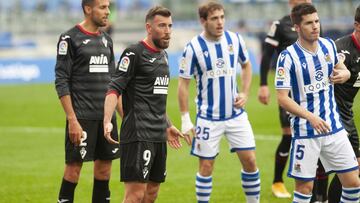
(42, 130)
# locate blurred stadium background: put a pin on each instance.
(32, 120)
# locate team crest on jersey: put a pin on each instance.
(83, 152)
(124, 64)
(231, 49)
(319, 75)
(328, 58)
(63, 47)
(220, 63)
(105, 42)
(297, 168)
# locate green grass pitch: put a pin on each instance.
(32, 151)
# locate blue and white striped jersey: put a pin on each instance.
(214, 66)
(307, 75)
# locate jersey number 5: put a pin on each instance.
(300, 152)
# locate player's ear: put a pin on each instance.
(87, 9)
(297, 27)
(357, 26)
(202, 21)
(148, 27)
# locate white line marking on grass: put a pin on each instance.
(29, 129)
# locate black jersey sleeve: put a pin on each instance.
(125, 70)
(64, 61)
(272, 41)
(268, 52)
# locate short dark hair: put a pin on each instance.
(357, 14)
(207, 7)
(300, 10)
(86, 3)
(157, 10)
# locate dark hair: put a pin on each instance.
(157, 10)
(357, 14)
(86, 3)
(300, 10)
(206, 8)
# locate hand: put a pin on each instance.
(173, 135)
(240, 100)
(108, 127)
(340, 75)
(264, 94)
(187, 127)
(319, 124)
(75, 131)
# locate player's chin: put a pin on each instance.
(165, 44)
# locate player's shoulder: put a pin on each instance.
(285, 20)
(134, 49)
(344, 41)
(69, 34)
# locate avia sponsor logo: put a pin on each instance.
(161, 85)
(99, 64)
(316, 87)
(19, 71)
(220, 72)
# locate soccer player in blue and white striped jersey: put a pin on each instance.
(308, 70)
(212, 58)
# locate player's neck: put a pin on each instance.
(211, 38)
(357, 36)
(311, 46)
(89, 26)
(151, 44)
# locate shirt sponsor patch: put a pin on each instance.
(280, 74)
(63, 47)
(124, 64)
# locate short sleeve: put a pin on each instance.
(64, 62)
(282, 74)
(273, 35)
(187, 62)
(125, 71)
(243, 52)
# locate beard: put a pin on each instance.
(161, 44)
(99, 22)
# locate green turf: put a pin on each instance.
(32, 151)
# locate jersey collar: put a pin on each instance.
(149, 47)
(87, 32)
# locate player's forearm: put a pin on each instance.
(183, 95)
(246, 78)
(291, 106)
(68, 108)
(111, 101)
(119, 107)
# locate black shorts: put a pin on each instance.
(143, 162)
(94, 145)
(284, 118)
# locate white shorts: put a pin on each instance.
(335, 152)
(237, 131)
